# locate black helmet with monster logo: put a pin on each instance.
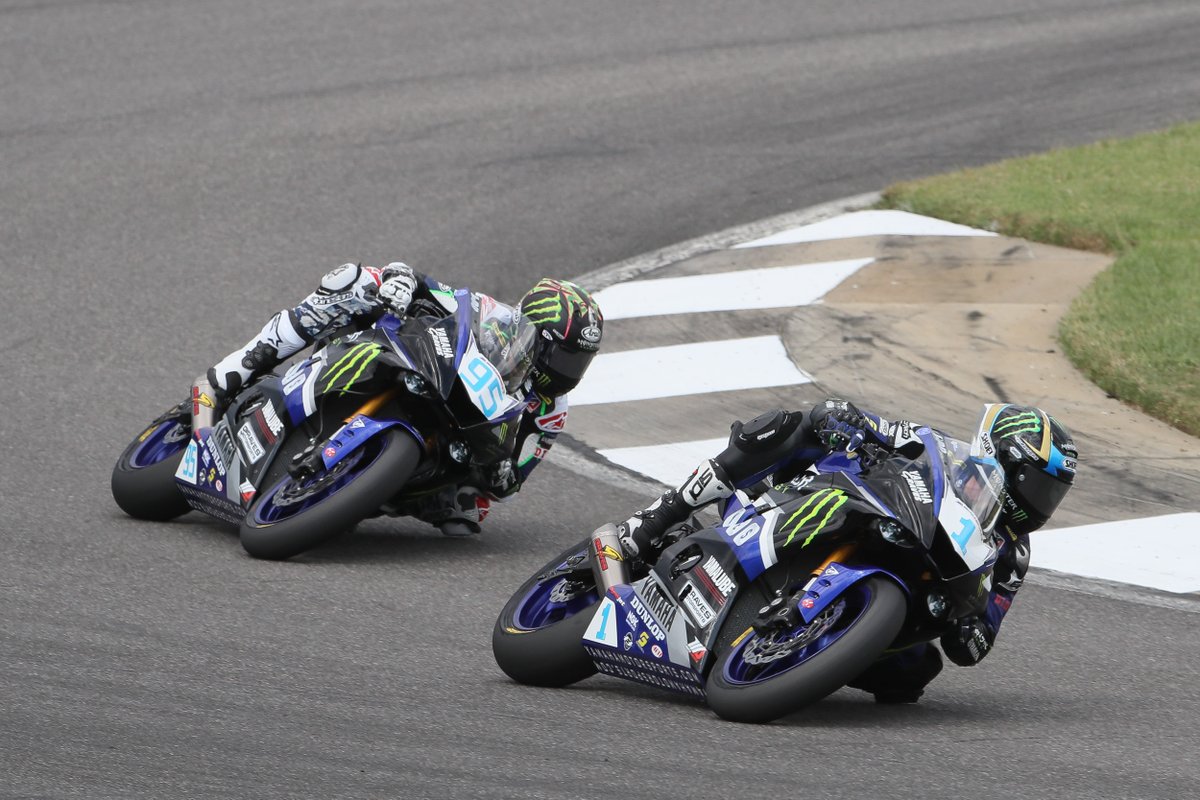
(570, 327)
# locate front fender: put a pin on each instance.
(356, 432)
(823, 589)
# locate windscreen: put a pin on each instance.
(977, 480)
(506, 339)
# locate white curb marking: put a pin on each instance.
(771, 287)
(1158, 552)
(683, 369)
(666, 463)
(868, 223)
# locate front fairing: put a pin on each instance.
(946, 497)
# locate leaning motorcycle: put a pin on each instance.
(368, 424)
(791, 596)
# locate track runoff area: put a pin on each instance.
(713, 335)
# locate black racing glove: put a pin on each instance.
(969, 642)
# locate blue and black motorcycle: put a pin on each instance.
(791, 596)
(368, 424)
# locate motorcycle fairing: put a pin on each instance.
(821, 590)
(750, 535)
(627, 640)
(209, 475)
(355, 432)
(300, 387)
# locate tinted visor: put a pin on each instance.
(566, 364)
(1039, 492)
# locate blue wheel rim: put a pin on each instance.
(164, 440)
(740, 672)
(537, 609)
(271, 509)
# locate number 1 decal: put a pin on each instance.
(964, 534)
(603, 621)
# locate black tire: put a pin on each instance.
(339, 511)
(551, 655)
(149, 491)
(824, 673)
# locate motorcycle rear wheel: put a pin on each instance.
(143, 479)
(760, 679)
(289, 517)
(538, 638)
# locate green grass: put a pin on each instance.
(1135, 331)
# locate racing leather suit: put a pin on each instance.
(348, 299)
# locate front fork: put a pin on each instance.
(783, 613)
(308, 462)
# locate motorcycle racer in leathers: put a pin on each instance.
(352, 296)
(1035, 451)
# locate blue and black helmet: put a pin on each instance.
(1038, 457)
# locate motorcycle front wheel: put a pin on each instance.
(291, 516)
(762, 677)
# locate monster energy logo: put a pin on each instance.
(567, 299)
(1028, 422)
(357, 358)
(818, 509)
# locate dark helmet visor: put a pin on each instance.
(1040, 492)
(569, 364)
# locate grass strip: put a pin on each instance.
(1135, 331)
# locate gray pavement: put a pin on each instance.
(173, 172)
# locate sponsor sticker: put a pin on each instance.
(251, 447)
(699, 609)
(719, 576)
(221, 444)
(916, 485)
(441, 342)
(661, 605)
(647, 619)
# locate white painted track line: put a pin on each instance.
(1157, 552)
(684, 369)
(772, 287)
(868, 223)
(666, 463)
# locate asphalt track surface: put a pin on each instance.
(175, 171)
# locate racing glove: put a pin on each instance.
(841, 424)
(968, 643)
(399, 285)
